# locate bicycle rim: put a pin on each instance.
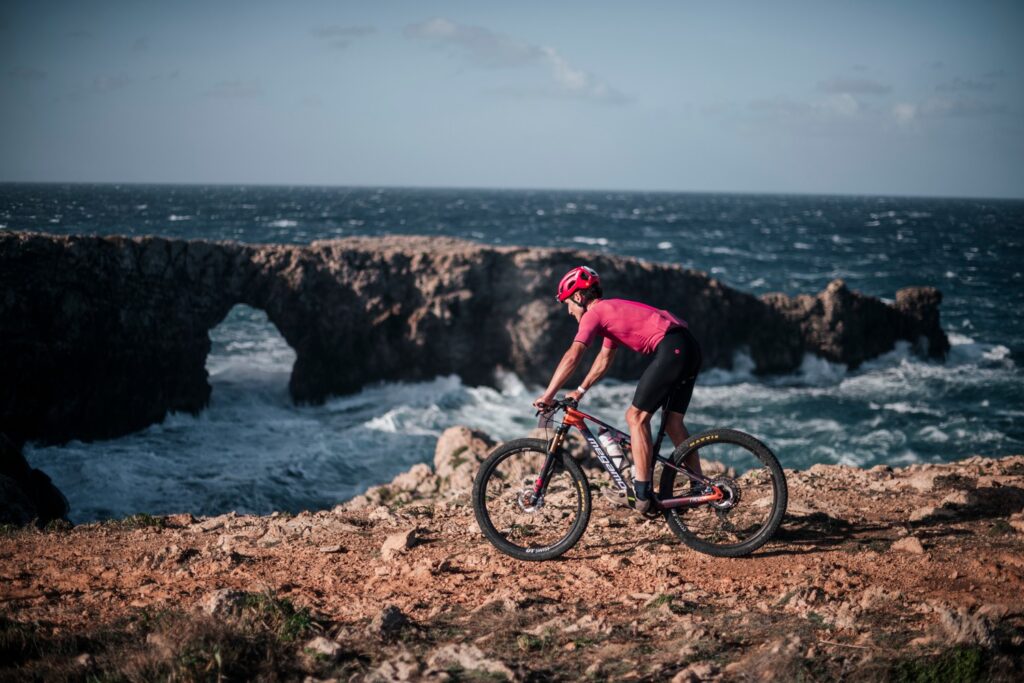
(754, 484)
(512, 520)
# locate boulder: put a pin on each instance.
(323, 647)
(222, 602)
(389, 622)
(469, 658)
(910, 544)
(960, 627)
(457, 457)
(396, 544)
(26, 493)
(401, 666)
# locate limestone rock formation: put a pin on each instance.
(100, 336)
(26, 494)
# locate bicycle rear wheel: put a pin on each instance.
(516, 524)
(754, 484)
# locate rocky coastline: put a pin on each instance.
(102, 336)
(888, 573)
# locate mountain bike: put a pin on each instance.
(533, 501)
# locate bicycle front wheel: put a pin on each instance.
(755, 494)
(508, 513)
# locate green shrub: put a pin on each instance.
(958, 665)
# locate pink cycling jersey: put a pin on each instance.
(630, 323)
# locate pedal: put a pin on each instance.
(616, 497)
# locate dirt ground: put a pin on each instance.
(875, 574)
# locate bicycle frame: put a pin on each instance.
(578, 419)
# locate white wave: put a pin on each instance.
(966, 351)
(598, 241)
(852, 459)
(932, 434)
(742, 371)
(664, 245)
(813, 371)
(910, 408)
(904, 458)
(282, 223)
(880, 439)
(957, 339)
(175, 218)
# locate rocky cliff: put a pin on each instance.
(100, 336)
(904, 574)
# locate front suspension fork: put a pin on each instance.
(541, 484)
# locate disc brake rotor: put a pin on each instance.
(527, 503)
(731, 491)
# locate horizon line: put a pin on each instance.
(491, 188)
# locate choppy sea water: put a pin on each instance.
(253, 451)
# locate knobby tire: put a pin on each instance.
(494, 497)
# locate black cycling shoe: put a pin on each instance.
(643, 505)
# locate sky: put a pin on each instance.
(920, 98)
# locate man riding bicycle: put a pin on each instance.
(670, 375)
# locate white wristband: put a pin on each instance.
(581, 390)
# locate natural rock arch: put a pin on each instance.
(101, 336)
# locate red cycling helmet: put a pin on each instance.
(577, 279)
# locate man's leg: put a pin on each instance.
(677, 431)
(639, 422)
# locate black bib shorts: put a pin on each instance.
(673, 369)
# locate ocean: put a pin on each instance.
(253, 451)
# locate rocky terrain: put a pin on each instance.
(101, 336)
(910, 574)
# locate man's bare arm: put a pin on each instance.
(601, 364)
(565, 368)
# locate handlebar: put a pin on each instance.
(559, 404)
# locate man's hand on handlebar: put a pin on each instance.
(547, 404)
(544, 403)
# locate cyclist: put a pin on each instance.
(647, 330)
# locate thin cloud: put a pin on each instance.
(961, 107)
(904, 112)
(28, 74)
(487, 49)
(839, 106)
(853, 86)
(141, 44)
(946, 107)
(835, 115)
(340, 37)
(235, 90)
(965, 85)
